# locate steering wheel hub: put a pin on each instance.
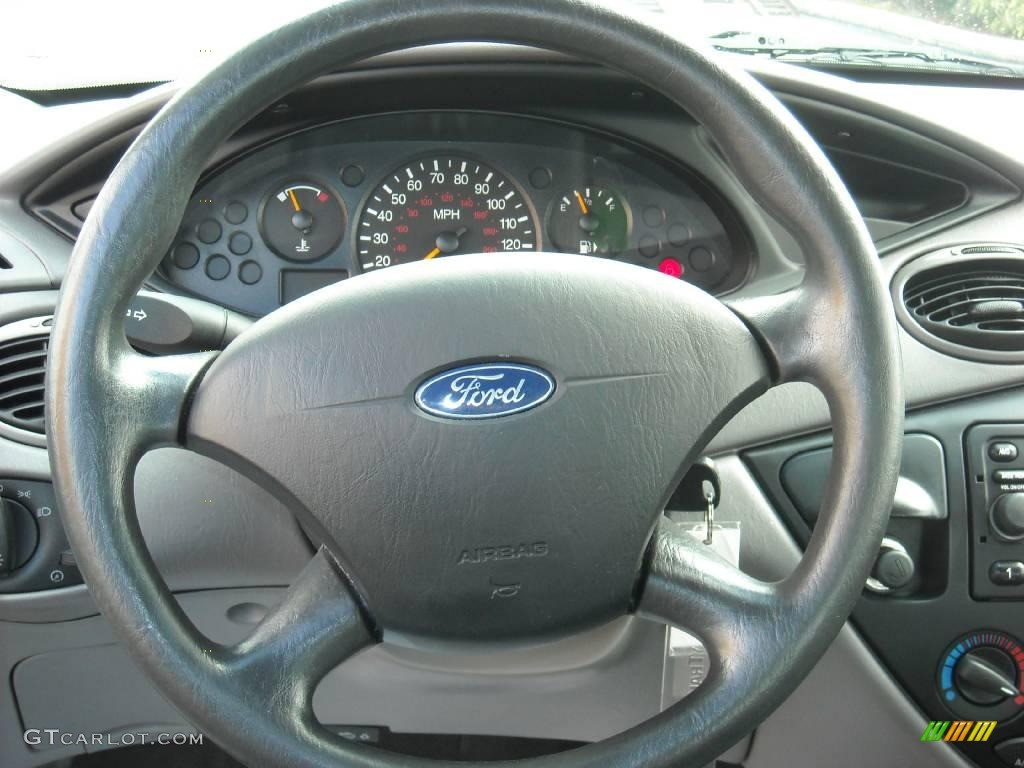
(529, 525)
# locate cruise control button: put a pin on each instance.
(240, 243)
(218, 267)
(209, 231)
(1002, 451)
(1006, 573)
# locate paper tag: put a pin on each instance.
(686, 663)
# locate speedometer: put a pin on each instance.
(441, 206)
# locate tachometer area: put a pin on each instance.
(440, 206)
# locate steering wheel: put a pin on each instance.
(531, 525)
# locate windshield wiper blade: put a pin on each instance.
(879, 57)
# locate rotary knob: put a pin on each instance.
(893, 568)
(1007, 516)
(986, 676)
(18, 536)
(981, 676)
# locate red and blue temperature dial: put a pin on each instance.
(981, 676)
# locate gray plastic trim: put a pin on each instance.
(930, 376)
(848, 713)
(27, 271)
(920, 489)
(49, 606)
(205, 526)
(912, 500)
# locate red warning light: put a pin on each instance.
(671, 267)
(323, 197)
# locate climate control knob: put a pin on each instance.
(986, 676)
(981, 676)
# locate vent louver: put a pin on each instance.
(22, 372)
(971, 296)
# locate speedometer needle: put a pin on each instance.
(447, 242)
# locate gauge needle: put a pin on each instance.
(294, 199)
(447, 242)
(583, 205)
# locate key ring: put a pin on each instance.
(709, 517)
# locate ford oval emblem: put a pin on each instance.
(485, 391)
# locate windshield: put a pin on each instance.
(71, 44)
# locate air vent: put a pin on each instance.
(973, 250)
(22, 370)
(967, 301)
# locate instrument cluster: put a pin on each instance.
(336, 201)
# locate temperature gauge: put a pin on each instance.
(589, 220)
(302, 222)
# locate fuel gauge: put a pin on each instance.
(589, 220)
(302, 222)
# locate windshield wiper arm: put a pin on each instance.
(844, 55)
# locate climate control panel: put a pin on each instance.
(981, 676)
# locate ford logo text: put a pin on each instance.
(485, 391)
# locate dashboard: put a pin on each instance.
(332, 202)
(495, 151)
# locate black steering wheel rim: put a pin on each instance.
(107, 405)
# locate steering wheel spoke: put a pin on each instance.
(147, 397)
(688, 586)
(142, 400)
(790, 328)
(318, 625)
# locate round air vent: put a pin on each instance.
(966, 301)
(23, 348)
